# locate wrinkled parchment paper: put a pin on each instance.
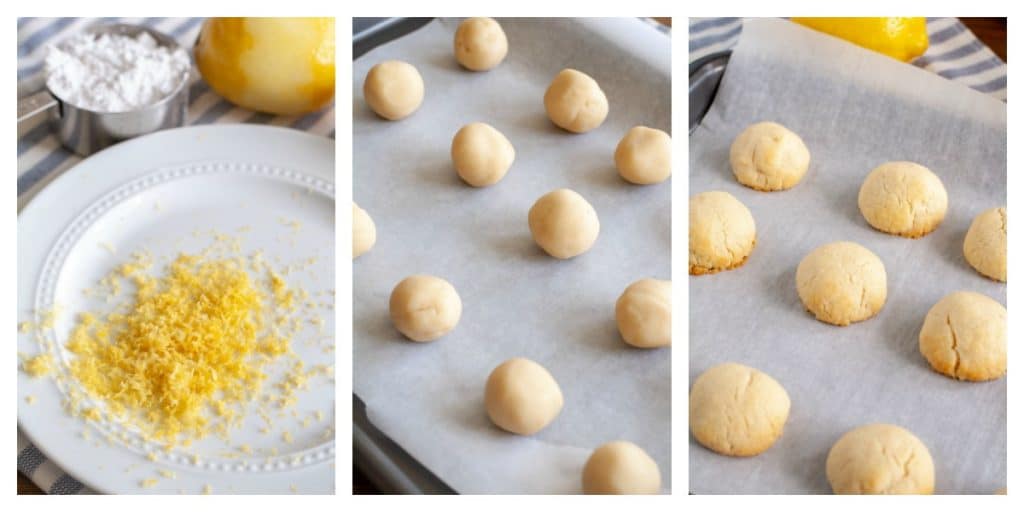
(517, 301)
(855, 110)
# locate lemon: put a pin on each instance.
(900, 38)
(275, 65)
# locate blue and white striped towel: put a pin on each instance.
(953, 52)
(41, 158)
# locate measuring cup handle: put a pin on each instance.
(29, 106)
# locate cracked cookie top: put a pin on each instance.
(880, 459)
(964, 337)
(769, 157)
(841, 283)
(985, 244)
(722, 232)
(903, 198)
(737, 410)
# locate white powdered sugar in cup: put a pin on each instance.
(114, 73)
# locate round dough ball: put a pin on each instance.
(563, 223)
(481, 154)
(522, 397)
(364, 232)
(393, 89)
(424, 308)
(903, 198)
(737, 410)
(769, 157)
(985, 244)
(621, 467)
(964, 337)
(880, 459)
(480, 44)
(644, 156)
(722, 233)
(841, 283)
(575, 102)
(644, 313)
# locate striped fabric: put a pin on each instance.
(953, 52)
(41, 158)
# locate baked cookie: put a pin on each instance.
(880, 459)
(964, 337)
(722, 232)
(903, 198)
(841, 283)
(985, 244)
(737, 410)
(768, 157)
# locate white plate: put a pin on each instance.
(165, 193)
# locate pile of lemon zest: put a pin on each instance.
(151, 456)
(38, 366)
(147, 483)
(246, 449)
(166, 473)
(26, 326)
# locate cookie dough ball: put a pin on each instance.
(424, 308)
(575, 102)
(644, 156)
(644, 313)
(722, 233)
(737, 410)
(480, 44)
(880, 459)
(481, 154)
(522, 397)
(841, 283)
(364, 232)
(563, 223)
(769, 157)
(964, 337)
(903, 198)
(621, 467)
(393, 89)
(985, 244)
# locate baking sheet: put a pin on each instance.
(517, 301)
(855, 110)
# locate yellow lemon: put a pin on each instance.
(900, 38)
(275, 65)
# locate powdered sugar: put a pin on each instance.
(114, 73)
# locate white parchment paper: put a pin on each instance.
(517, 301)
(855, 110)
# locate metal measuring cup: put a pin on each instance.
(85, 131)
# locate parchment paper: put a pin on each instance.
(517, 301)
(855, 110)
